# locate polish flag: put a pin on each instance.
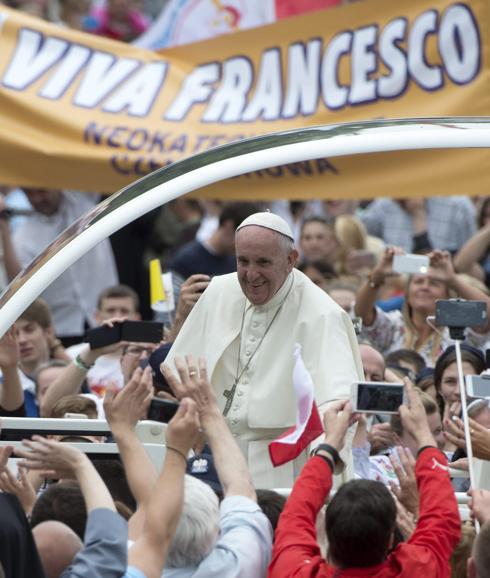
(291, 443)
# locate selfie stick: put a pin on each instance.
(457, 334)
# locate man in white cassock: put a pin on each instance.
(246, 324)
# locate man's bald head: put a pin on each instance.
(265, 258)
(373, 363)
(57, 545)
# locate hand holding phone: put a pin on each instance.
(478, 385)
(411, 264)
(377, 397)
(133, 331)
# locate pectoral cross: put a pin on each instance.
(229, 394)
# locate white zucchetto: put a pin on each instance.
(269, 221)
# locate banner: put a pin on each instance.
(186, 21)
(78, 111)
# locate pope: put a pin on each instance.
(246, 324)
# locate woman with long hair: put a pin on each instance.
(413, 328)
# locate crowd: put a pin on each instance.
(255, 291)
(266, 302)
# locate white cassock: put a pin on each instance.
(224, 326)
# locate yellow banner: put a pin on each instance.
(79, 111)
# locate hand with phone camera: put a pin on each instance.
(384, 267)
(124, 408)
(441, 267)
(190, 292)
(337, 418)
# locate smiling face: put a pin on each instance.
(318, 242)
(263, 262)
(449, 381)
(424, 291)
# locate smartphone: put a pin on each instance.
(461, 313)
(136, 331)
(411, 264)
(478, 385)
(103, 335)
(142, 331)
(162, 410)
(377, 397)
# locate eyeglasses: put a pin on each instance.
(137, 351)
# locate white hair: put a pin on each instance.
(198, 526)
(286, 243)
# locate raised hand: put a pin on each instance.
(54, 459)
(124, 408)
(384, 268)
(9, 350)
(414, 418)
(183, 429)
(406, 493)
(337, 419)
(20, 487)
(480, 436)
(192, 382)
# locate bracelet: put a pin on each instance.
(78, 361)
(177, 451)
(330, 449)
(372, 284)
(327, 459)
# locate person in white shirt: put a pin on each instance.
(72, 297)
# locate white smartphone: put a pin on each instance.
(411, 264)
(377, 397)
(478, 385)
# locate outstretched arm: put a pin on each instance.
(229, 461)
(12, 394)
(165, 503)
(368, 292)
(70, 380)
(123, 410)
(295, 544)
(60, 460)
(467, 258)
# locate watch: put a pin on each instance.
(330, 449)
(338, 463)
(373, 283)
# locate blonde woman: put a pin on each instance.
(409, 328)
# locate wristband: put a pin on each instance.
(372, 284)
(330, 449)
(78, 361)
(327, 459)
(177, 451)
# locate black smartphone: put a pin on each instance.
(103, 335)
(136, 331)
(142, 331)
(461, 313)
(162, 410)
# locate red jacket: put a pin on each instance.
(426, 554)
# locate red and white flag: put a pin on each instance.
(291, 443)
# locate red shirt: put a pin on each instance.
(296, 552)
